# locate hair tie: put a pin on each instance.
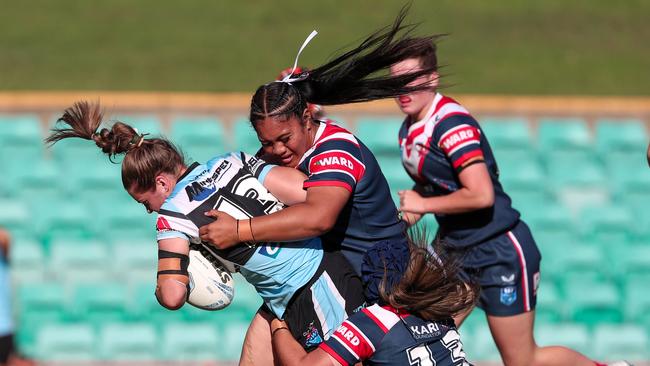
(137, 139)
(288, 79)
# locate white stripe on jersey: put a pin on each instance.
(386, 317)
(342, 343)
(351, 325)
(339, 136)
(447, 109)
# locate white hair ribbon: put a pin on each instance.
(288, 78)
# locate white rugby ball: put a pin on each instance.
(211, 284)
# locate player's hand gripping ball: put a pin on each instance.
(211, 284)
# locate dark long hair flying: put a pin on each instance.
(430, 287)
(349, 78)
(145, 157)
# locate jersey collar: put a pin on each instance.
(187, 171)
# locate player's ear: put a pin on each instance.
(434, 77)
(164, 182)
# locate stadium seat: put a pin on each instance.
(592, 302)
(27, 258)
(199, 137)
(61, 220)
(607, 224)
(124, 219)
(190, 342)
(75, 154)
(574, 336)
(620, 135)
(100, 302)
(563, 135)
(38, 184)
(630, 261)
(479, 344)
(66, 342)
(77, 261)
(39, 304)
(507, 134)
(144, 123)
(128, 342)
(578, 182)
(20, 127)
(637, 301)
(524, 182)
(135, 259)
(245, 138)
(379, 134)
(233, 334)
(624, 341)
(15, 217)
(553, 220)
(575, 260)
(550, 307)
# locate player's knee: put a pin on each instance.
(171, 294)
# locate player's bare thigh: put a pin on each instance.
(258, 349)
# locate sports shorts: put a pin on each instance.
(507, 269)
(318, 308)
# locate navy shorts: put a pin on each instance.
(507, 269)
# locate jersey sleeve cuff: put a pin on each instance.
(265, 170)
(327, 183)
(171, 234)
(333, 353)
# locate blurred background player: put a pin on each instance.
(297, 280)
(456, 178)
(9, 355)
(411, 325)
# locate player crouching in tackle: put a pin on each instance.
(312, 290)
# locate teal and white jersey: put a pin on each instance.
(233, 183)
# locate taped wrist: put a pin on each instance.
(183, 263)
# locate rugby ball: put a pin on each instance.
(211, 284)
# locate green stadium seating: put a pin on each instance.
(525, 183)
(38, 304)
(128, 342)
(15, 217)
(607, 224)
(631, 260)
(190, 342)
(625, 341)
(479, 344)
(232, 340)
(77, 261)
(550, 307)
(379, 134)
(563, 134)
(552, 225)
(617, 135)
(144, 123)
(199, 137)
(507, 134)
(124, 219)
(66, 342)
(27, 260)
(135, 259)
(98, 303)
(592, 302)
(577, 260)
(637, 301)
(574, 336)
(60, 220)
(38, 183)
(20, 127)
(245, 138)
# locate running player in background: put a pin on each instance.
(448, 156)
(296, 280)
(411, 325)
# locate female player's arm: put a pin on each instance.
(286, 184)
(476, 192)
(171, 287)
(290, 352)
(314, 217)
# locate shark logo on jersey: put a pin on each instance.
(312, 337)
(508, 295)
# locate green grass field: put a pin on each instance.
(592, 47)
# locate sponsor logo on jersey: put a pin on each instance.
(202, 189)
(428, 330)
(162, 224)
(508, 295)
(459, 137)
(270, 250)
(311, 335)
(337, 161)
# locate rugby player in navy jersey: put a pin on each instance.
(411, 325)
(448, 156)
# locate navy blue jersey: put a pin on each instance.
(380, 336)
(435, 150)
(339, 159)
(232, 183)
